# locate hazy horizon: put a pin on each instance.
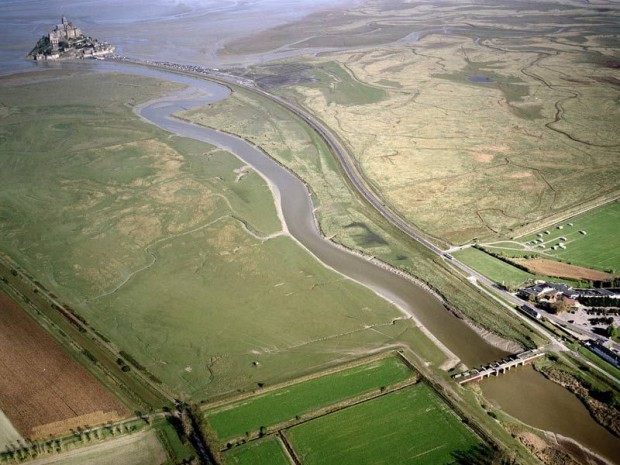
(188, 31)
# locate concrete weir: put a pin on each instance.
(497, 368)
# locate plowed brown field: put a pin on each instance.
(562, 270)
(40, 384)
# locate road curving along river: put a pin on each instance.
(297, 211)
(546, 405)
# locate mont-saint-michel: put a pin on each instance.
(66, 42)
(310, 232)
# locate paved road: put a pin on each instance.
(357, 180)
(375, 200)
(346, 162)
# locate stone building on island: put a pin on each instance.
(67, 41)
(63, 32)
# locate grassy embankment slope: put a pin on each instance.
(343, 217)
(467, 136)
(155, 241)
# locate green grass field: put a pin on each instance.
(248, 415)
(598, 361)
(267, 451)
(169, 437)
(491, 267)
(339, 87)
(341, 214)
(599, 248)
(500, 271)
(155, 241)
(411, 426)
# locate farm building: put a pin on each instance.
(548, 291)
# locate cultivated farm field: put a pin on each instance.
(327, 418)
(42, 389)
(286, 403)
(267, 451)
(410, 426)
(590, 240)
(502, 272)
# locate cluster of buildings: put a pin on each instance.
(64, 32)
(546, 294)
(540, 241)
(558, 297)
(215, 72)
(67, 41)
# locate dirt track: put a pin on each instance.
(124, 450)
(40, 382)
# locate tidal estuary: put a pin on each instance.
(524, 393)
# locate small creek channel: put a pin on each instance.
(523, 393)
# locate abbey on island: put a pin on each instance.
(67, 41)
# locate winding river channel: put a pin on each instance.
(524, 393)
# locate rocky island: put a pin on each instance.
(66, 41)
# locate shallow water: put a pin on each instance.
(539, 402)
(191, 31)
(182, 31)
(523, 393)
(480, 79)
(297, 209)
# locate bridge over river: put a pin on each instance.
(498, 368)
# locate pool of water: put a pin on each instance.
(479, 78)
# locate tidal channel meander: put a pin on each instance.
(523, 393)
